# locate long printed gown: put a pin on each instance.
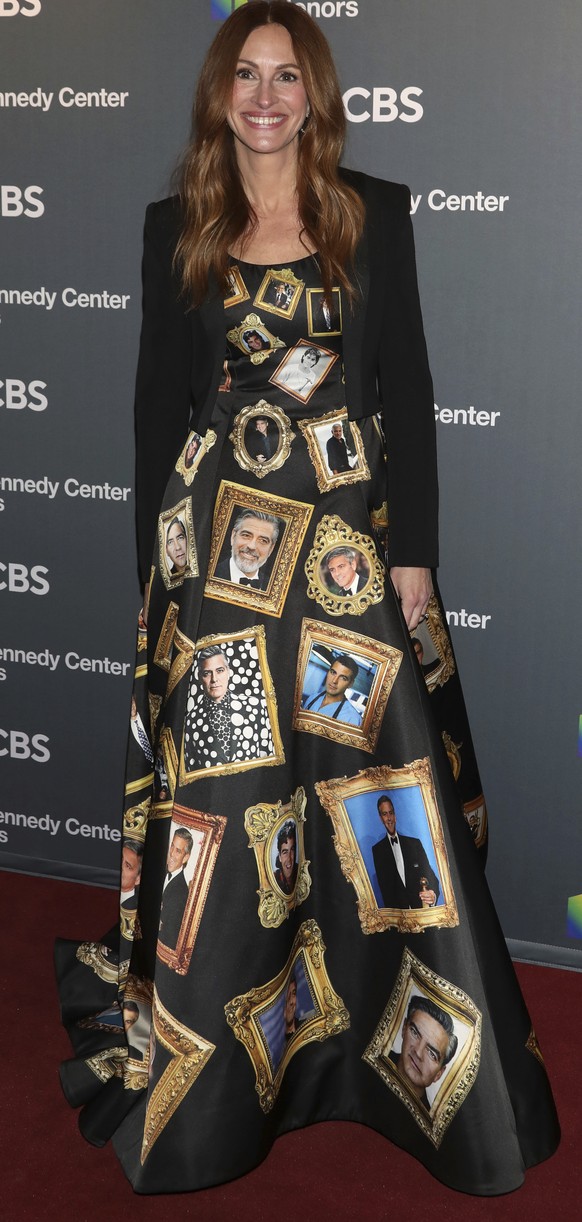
(305, 930)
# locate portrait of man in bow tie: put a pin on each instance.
(252, 541)
(405, 877)
(175, 893)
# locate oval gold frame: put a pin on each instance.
(333, 532)
(286, 436)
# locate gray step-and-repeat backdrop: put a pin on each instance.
(475, 104)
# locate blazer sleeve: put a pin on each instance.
(162, 396)
(407, 397)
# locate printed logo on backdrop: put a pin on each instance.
(21, 746)
(21, 201)
(24, 8)
(38, 99)
(19, 579)
(16, 395)
(70, 297)
(382, 104)
(221, 9)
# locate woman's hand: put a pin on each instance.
(414, 588)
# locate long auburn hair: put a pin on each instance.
(217, 214)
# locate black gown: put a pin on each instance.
(305, 930)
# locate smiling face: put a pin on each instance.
(178, 853)
(343, 571)
(252, 544)
(424, 1047)
(176, 545)
(287, 858)
(269, 102)
(388, 816)
(130, 869)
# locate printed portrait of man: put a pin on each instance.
(191, 450)
(131, 859)
(301, 374)
(258, 443)
(337, 451)
(332, 700)
(429, 1044)
(161, 782)
(286, 864)
(325, 314)
(279, 294)
(138, 731)
(255, 341)
(290, 1016)
(130, 1017)
(175, 892)
(342, 566)
(405, 877)
(176, 546)
(220, 727)
(252, 541)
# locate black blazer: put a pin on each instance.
(394, 892)
(386, 368)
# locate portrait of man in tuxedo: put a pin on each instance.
(429, 1043)
(175, 893)
(252, 541)
(290, 1017)
(405, 877)
(342, 566)
(130, 1017)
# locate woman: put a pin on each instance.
(407, 1014)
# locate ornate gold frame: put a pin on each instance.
(325, 479)
(333, 532)
(242, 294)
(285, 276)
(155, 704)
(190, 1053)
(206, 444)
(477, 804)
(256, 634)
(433, 623)
(163, 650)
(311, 293)
(454, 1086)
(212, 827)
(286, 436)
(295, 514)
(242, 1013)
(373, 919)
(182, 510)
(262, 823)
(253, 322)
(181, 662)
(387, 659)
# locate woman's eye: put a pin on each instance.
(288, 77)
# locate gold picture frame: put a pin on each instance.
(232, 501)
(352, 805)
(163, 650)
(207, 832)
(475, 813)
(179, 520)
(279, 292)
(253, 327)
(257, 1017)
(437, 660)
(333, 535)
(316, 321)
(325, 644)
(264, 823)
(181, 661)
(246, 652)
(191, 456)
(239, 289)
(312, 431)
(241, 440)
(449, 1008)
(189, 1053)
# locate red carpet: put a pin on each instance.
(334, 1171)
